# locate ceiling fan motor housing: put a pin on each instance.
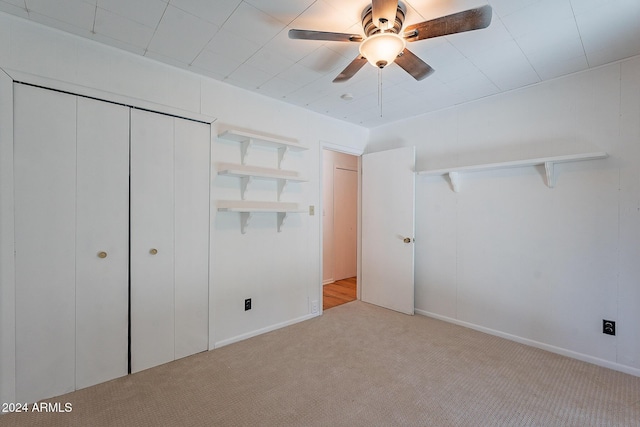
(370, 28)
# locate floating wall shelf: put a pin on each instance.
(248, 173)
(247, 209)
(248, 140)
(548, 162)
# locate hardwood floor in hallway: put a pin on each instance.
(339, 292)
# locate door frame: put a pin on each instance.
(325, 145)
(7, 238)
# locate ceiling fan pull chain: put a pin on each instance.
(380, 90)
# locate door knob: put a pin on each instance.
(407, 240)
(102, 254)
(153, 251)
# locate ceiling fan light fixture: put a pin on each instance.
(382, 49)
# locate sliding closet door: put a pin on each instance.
(102, 242)
(111, 215)
(152, 246)
(192, 160)
(45, 230)
(72, 224)
(170, 163)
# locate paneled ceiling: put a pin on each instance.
(244, 43)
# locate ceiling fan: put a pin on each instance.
(384, 43)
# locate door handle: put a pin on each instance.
(102, 254)
(408, 240)
(153, 251)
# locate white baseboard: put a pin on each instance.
(553, 349)
(261, 331)
(328, 282)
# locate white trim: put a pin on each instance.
(320, 211)
(328, 282)
(553, 349)
(341, 148)
(212, 241)
(46, 82)
(7, 248)
(261, 331)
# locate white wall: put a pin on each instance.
(279, 271)
(509, 255)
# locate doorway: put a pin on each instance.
(340, 227)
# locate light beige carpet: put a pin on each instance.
(360, 365)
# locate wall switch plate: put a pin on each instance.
(608, 327)
(314, 307)
(247, 304)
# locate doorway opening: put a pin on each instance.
(340, 188)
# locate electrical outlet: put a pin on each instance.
(608, 327)
(247, 304)
(312, 210)
(314, 306)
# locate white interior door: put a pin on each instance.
(102, 242)
(152, 244)
(45, 227)
(192, 167)
(388, 196)
(345, 219)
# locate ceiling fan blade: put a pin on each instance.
(384, 13)
(472, 19)
(324, 35)
(413, 65)
(351, 69)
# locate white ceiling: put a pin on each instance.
(245, 43)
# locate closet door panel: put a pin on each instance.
(192, 160)
(45, 178)
(152, 234)
(102, 242)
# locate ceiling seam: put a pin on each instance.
(586, 58)
(155, 30)
(95, 13)
(190, 64)
(540, 79)
(256, 52)
(473, 63)
(296, 62)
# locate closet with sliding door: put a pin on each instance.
(111, 240)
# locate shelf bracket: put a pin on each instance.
(245, 218)
(282, 151)
(282, 216)
(244, 185)
(454, 177)
(282, 184)
(244, 150)
(549, 169)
